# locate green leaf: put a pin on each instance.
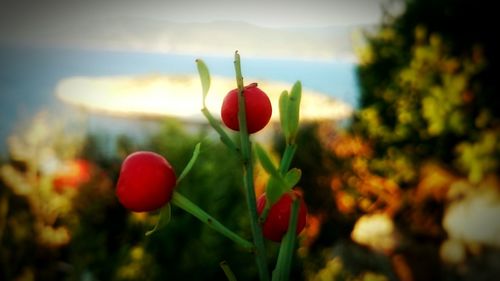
(191, 162)
(204, 77)
(292, 177)
(227, 271)
(164, 218)
(274, 190)
(184, 203)
(216, 125)
(265, 161)
(294, 109)
(277, 184)
(283, 106)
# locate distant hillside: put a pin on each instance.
(212, 38)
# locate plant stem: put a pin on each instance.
(260, 255)
(284, 263)
(188, 206)
(286, 161)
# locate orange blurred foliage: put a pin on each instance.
(73, 174)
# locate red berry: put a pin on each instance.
(257, 108)
(146, 182)
(276, 224)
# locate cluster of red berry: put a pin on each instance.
(147, 180)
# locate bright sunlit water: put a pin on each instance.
(28, 76)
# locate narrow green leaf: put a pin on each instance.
(265, 161)
(277, 184)
(227, 271)
(216, 125)
(274, 190)
(164, 218)
(264, 213)
(294, 109)
(283, 106)
(204, 77)
(292, 177)
(190, 207)
(191, 162)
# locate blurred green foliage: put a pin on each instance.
(428, 90)
(105, 241)
(426, 135)
(187, 249)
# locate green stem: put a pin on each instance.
(284, 263)
(260, 255)
(286, 161)
(188, 206)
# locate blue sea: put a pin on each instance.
(28, 75)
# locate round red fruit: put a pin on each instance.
(276, 224)
(146, 182)
(257, 108)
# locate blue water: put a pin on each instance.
(28, 76)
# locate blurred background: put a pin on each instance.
(399, 145)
